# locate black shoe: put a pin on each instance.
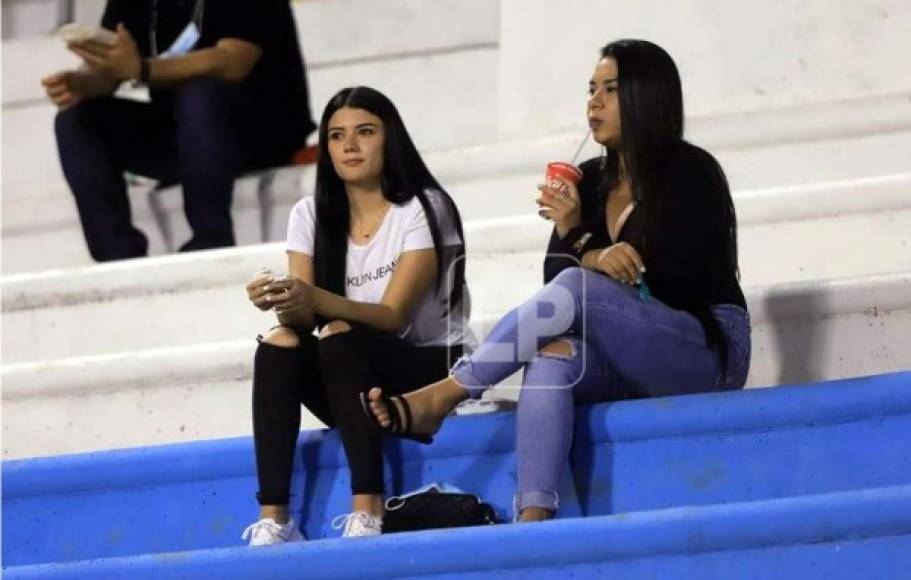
(197, 243)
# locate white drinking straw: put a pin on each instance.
(581, 146)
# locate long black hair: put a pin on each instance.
(652, 123)
(405, 175)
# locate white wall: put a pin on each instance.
(30, 17)
(733, 55)
(802, 332)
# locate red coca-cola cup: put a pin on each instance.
(562, 169)
(556, 169)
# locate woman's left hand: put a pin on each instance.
(621, 262)
(295, 295)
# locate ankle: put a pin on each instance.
(279, 513)
(535, 514)
(371, 503)
(447, 395)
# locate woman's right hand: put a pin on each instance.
(559, 202)
(622, 263)
(259, 289)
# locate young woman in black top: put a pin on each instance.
(641, 297)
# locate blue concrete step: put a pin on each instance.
(633, 456)
(838, 536)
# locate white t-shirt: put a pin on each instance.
(370, 267)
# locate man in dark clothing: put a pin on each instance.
(228, 95)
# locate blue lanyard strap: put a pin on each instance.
(199, 9)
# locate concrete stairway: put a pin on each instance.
(488, 180)
(797, 234)
(794, 482)
(163, 347)
(801, 332)
(40, 224)
(455, 87)
(791, 479)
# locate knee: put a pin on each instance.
(337, 343)
(70, 120)
(556, 367)
(582, 285)
(561, 348)
(334, 328)
(283, 337)
(558, 301)
(64, 121)
(571, 282)
(570, 278)
(199, 98)
(202, 88)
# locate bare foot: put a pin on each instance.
(429, 406)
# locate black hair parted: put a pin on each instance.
(651, 112)
(405, 175)
(652, 125)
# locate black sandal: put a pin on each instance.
(398, 427)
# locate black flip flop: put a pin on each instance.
(399, 427)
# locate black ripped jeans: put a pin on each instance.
(327, 376)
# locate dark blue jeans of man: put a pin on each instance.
(189, 135)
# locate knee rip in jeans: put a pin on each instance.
(281, 336)
(562, 348)
(334, 328)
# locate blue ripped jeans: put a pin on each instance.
(619, 347)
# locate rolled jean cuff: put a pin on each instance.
(462, 372)
(548, 500)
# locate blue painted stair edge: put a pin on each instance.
(628, 456)
(762, 409)
(846, 535)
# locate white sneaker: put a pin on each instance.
(359, 524)
(267, 532)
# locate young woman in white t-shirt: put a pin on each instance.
(376, 262)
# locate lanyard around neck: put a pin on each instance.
(198, 10)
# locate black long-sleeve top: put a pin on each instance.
(690, 266)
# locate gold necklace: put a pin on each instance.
(374, 227)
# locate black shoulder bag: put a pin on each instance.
(436, 508)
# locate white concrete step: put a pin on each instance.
(760, 149)
(449, 60)
(328, 35)
(30, 151)
(510, 187)
(802, 332)
(833, 230)
(41, 229)
(732, 56)
(24, 18)
(786, 99)
(40, 225)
